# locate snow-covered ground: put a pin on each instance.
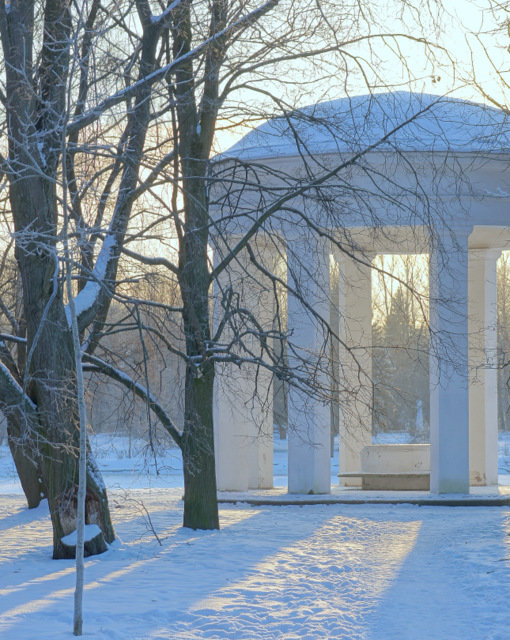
(377, 572)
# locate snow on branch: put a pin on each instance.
(166, 13)
(12, 394)
(89, 295)
(159, 74)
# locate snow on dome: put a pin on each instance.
(432, 123)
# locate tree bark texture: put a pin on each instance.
(200, 498)
(195, 133)
(36, 110)
(26, 461)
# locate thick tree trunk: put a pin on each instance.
(25, 458)
(52, 388)
(60, 475)
(195, 135)
(59, 465)
(200, 498)
(38, 58)
(63, 509)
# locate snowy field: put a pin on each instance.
(376, 572)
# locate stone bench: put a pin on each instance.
(394, 467)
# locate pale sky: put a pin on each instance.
(475, 47)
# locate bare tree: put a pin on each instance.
(131, 95)
(228, 204)
(52, 101)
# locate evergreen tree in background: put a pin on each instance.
(400, 369)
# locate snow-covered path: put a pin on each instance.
(339, 571)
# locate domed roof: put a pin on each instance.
(401, 121)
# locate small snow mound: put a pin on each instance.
(91, 531)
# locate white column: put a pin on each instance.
(230, 433)
(260, 408)
(243, 407)
(449, 399)
(483, 387)
(356, 391)
(309, 417)
(334, 321)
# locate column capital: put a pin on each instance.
(486, 253)
(357, 258)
